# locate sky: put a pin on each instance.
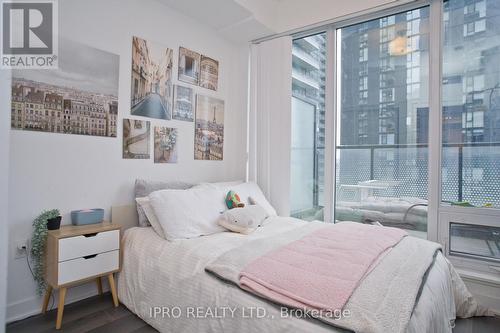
(81, 67)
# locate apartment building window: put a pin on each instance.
(381, 158)
(470, 157)
(471, 110)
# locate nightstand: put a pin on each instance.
(79, 254)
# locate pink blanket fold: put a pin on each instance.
(322, 269)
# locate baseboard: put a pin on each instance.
(31, 306)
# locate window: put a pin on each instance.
(308, 126)
(471, 110)
(381, 154)
(382, 146)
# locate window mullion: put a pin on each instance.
(330, 123)
(435, 127)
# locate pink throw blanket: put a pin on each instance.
(321, 270)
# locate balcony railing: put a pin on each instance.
(470, 171)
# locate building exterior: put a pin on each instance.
(209, 139)
(18, 114)
(140, 70)
(53, 117)
(384, 86)
(48, 108)
(112, 118)
(384, 102)
(209, 73)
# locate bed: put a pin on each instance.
(165, 284)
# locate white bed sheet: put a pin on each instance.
(170, 277)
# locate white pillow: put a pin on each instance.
(188, 213)
(145, 206)
(251, 194)
(243, 220)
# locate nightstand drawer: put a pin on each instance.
(81, 268)
(81, 246)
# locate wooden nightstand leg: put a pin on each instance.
(60, 307)
(99, 285)
(111, 280)
(46, 299)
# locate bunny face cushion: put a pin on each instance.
(243, 220)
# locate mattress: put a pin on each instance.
(166, 285)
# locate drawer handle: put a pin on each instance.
(91, 235)
(90, 256)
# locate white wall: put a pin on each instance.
(73, 172)
(4, 178)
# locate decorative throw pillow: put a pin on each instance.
(144, 187)
(145, 206)
(251, 194)
(243, 220)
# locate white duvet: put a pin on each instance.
(165, 284)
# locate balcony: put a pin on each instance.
(304, 59)
(389, 183)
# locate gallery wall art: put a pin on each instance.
(165, 144)
(198, 69)
(151, 94)
(183, 103)
(189, 66)
(209, 128)
(136, 139)
(209, 73)
(80, 97)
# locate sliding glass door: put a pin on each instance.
(396, 120)
(381, 150)
(308, 127)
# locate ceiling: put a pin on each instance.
(236, 20)
(246, 20)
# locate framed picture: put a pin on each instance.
(80, 97)
(136, 136)
(189, 66)
(151, 94)
(209, 128)
(183, 103)
(165, 143)
(209, 73)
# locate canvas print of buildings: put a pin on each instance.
(136, 134)
(151, 94)
(189, 66)
(183, 103)
(165, 143)
(209, 73)
(209, 128)
(80, 97)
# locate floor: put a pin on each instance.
(97, 314)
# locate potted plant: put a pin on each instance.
(38, 243)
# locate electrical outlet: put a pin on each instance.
(20, 249)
